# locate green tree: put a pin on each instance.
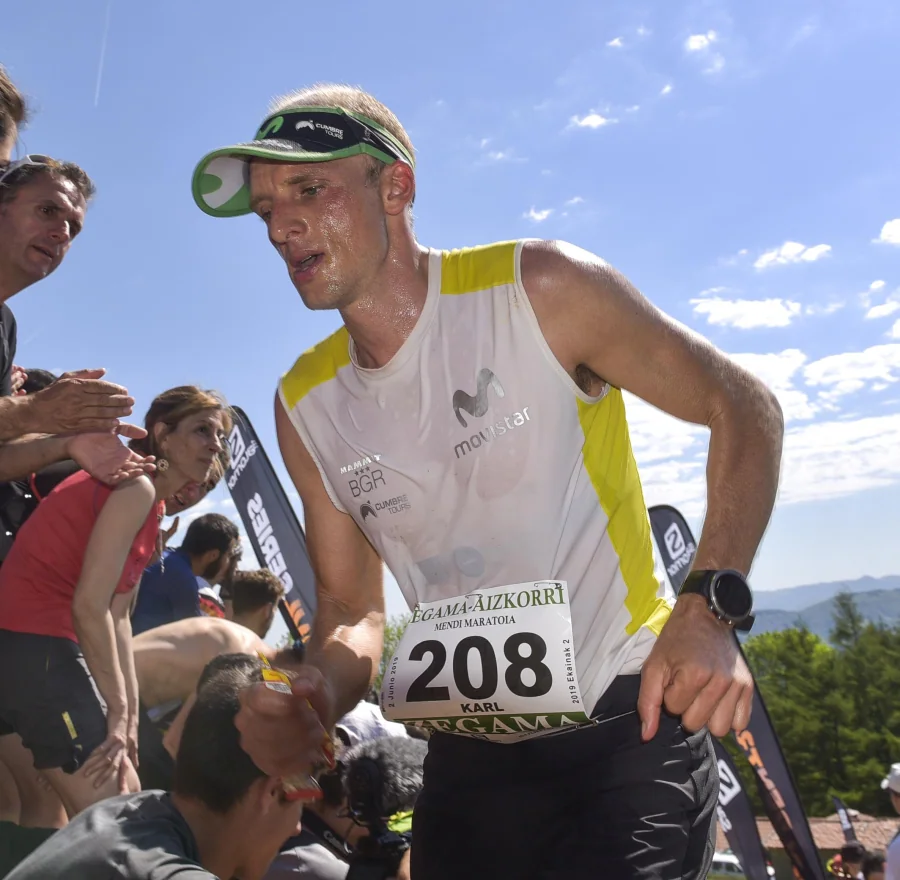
(393, 632)
(833, 707)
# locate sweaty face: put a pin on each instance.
(327, 223)
(192, 446)
(37, 227)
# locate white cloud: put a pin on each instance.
(890, 232)
(792, 252)
(830, 309)
(884, 310)
(575, 200)
(747, 314)
(616, 43)
(699, 42)
(484, 142)
(838, 458)
(633, 108)
(846, 373)
(865, 298)
(894, 332)
(716, 63)
(537, 216)
(592, 120)
(777, 370)
(666, 89)
(499, 155)
(823, 458)
(642, 31)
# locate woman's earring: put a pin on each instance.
(162, 465)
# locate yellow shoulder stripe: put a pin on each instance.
(478, 268)
(315, 366)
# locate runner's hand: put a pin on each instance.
(283, 733)
(106, 760)
(695, 671)
(78, 401)
(17, 379)
(106, 458)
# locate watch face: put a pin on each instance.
(732, 595)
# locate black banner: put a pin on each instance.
(844, 816)
(271, 524)
(674, 541)
(737, 820)
(759, 741)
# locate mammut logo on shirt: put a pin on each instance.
(478, 405)
(305, 123)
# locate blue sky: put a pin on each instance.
(737, 161)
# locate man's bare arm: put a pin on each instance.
(22, 457)
(76, 402)
(349, 624)
(592, 316)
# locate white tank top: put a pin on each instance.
(473, 460)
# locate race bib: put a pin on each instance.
(496, 664)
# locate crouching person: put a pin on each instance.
(223, 819)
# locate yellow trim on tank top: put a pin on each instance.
(610, 464)
(478, 268)
(316, 366)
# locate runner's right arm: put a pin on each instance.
(348, 628)
(284, 734)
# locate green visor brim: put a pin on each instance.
(221, 182)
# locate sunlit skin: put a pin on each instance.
(313, 212)
(192, 493)
(37, 227)
(190, 448)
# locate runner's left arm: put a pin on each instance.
(593, 316)
(601, 328)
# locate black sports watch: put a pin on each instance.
(727, 593)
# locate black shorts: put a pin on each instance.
(156, 768)
(595, 802)
(48, 697)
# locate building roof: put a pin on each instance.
(874, 833)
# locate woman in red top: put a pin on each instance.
(67, 588)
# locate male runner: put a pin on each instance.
(467, 426)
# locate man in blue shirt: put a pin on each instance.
(169, 589)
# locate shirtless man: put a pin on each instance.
(169, 660)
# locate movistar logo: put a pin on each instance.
(478, 405)
(273, 126)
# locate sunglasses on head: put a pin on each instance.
(33, 159)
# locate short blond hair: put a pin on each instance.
(347, 97)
